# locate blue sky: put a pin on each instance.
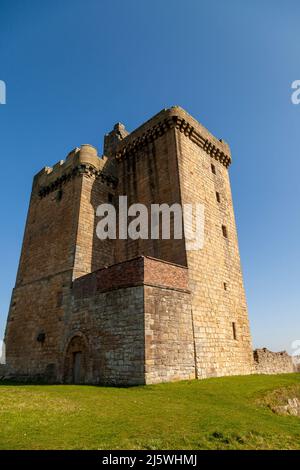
(73, 68)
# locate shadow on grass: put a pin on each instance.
(14, 383)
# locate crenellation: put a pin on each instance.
(80, 161)
(166, 120)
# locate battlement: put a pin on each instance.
(83, 160)
(174, 117)
(120, 143)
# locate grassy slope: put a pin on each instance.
(217, 413)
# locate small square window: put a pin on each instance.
(234, 330)
(41, 337)
(224, 230)
(218, 197)
(213, 169)
(225, 285)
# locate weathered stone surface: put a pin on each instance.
(130, 311)
(292, 407)
(268, 362)
(296, 362)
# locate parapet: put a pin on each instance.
(142, 270)
(83, 160)
(119, 143)
(178, 118)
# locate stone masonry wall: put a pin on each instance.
(102, 315)
(169, 341)
(149, 175)
(38, 307)
(91, 252)
(140, 334)
(59, 245)
(222, 332)
(60, 232)
(268, 362)
(112, 324)
(48, 245)
(296, 362)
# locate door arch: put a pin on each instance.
(76, 358)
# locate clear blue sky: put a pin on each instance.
(73, 68)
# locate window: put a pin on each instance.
(213, 169)
(218, 197)
(225, 285)
(59, 195)
(110, 197)
(41, 337)
(224, 230)
(59, 299)
(234, 330)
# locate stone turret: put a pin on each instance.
(112, 139)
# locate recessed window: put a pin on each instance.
(225, 285)
(59, 299)
(110, 197)
(224, 231)
(234, 330)
(41, 337)
(213, 169)
(218, 197)
(59, 195)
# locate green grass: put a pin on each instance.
(221, 413)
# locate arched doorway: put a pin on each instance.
(75, 366)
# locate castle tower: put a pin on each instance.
(222, 334)
(59, 245)
(171, 159)
(160, 311)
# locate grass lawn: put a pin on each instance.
(220, 413)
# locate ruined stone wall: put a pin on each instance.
(269, 362)
(296, 362)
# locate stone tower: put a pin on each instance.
(124, 311)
